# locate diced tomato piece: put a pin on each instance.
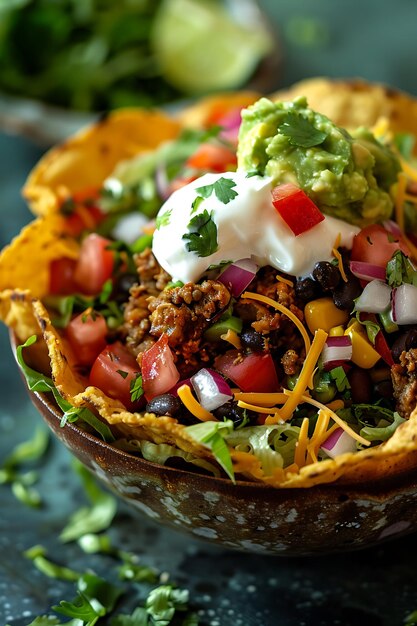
(210, 157)
(374, 244)
(82, 212)
(113, 372)
(158, 369)
(61, 277)
(87, 335)
(179, 182)
(95, 264)
(382, 347)
(296, 209)
(253, 372)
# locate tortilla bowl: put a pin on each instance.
(353, 501)
(247, 516)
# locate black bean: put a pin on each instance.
(122, 286)
(252, 340)
(345, 293)
(361, 385)
(307, 289)
(230, 410)
(384, 389)
(166, 404)
(405, 341)
(327, 275)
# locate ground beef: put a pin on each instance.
(404, 379)
(184, 313)
(291, 362)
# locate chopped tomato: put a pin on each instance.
(95, 264)
(296, 209)
(114, 371)
(210, 157)
(81, 211)
(61, 277)
(158, 369)
(253, 372)
(87, 335)
(374, 244)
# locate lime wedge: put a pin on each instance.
(201, 48)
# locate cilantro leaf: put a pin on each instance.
(136, 388)
(195, 204)
(301, 132)
(202, 235)
(163, 220)
(37, 554)
(400, 270)
(94, 518)
(139, 617)
(222, 188)
(372, 328)
(163, 602)
(338, 374)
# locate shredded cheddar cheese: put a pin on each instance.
(301, 385)
(283, 309)
(281, 279)
(193, 406)
(232, 337)
(301, 445)
(339, 259)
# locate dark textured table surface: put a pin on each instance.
(376, 40)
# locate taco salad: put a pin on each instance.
(234, 289)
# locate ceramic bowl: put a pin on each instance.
(247, 516)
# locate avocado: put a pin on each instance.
(348, 176)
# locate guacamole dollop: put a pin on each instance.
(347, 175)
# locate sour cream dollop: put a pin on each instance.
(248, 226)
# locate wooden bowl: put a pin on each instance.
(246, 516)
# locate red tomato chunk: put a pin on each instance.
(87, 335)
(95, 264)
(254, 372)
(296, 208)
(375, 245)
(113, 372)
(158, 369)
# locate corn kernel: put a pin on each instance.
(363, 353)
(337, 331)
(323, 313)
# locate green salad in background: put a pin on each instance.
(100, 54)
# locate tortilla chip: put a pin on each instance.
(85, 160)
(89, 157)
(24, 263)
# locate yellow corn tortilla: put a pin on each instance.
(99, 148)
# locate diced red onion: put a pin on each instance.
(367, 271)
(230, 124)
(392, 227)
(162, 183)
(336, 351)
(404, 304)
(237, 276)
(211, 389)
(375, 298)
(338, 443)
(174, 390)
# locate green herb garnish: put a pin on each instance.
(222, 188)
(400, 270)
(202, 235)
(301, 132)
(136, 388)
(163, 220)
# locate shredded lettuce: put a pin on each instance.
(212, 435)
(383, 431)
(273, 446)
